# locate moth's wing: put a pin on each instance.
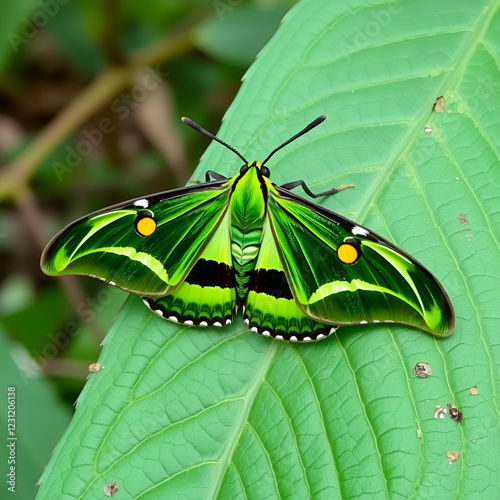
(207, 296)
(270, 308)
(382, 284)
(107, 244)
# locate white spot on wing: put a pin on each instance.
(254, 329)
(266, 333)
(360, 231)
(173, 318)
(203, 323)
(141, 203)
(279, 337)
(293, 338)
(320, 336)
(188, 322)
(217, 323)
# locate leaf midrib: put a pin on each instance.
(249, 399)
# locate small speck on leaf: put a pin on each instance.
(110, 489)
(439, 105)
(422, 370)
(455, 413)
(453, 456)
(95, 367)
(419, 433)
(473, 390)
(438, 412)
(427, 130)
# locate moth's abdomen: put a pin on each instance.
(244, 249)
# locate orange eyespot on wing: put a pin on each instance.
(348, 252)
(145, 225)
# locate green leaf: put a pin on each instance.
(195, 413)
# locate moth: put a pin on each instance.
(297, 270)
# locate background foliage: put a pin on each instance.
(211, 413)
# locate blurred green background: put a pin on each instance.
(91, 96)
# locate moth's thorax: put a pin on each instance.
(248, 200)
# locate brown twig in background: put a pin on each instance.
(15, 178)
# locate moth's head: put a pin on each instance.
(258, 165)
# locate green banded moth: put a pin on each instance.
(297, 270)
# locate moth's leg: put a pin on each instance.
(294, 184)
(214, 175)
(208, 175)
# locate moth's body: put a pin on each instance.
(247, 214)
(197, 253)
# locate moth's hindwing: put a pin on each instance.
(145, 246)
(207, 296)
(270, 308)
(344, 274)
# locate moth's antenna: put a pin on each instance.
(313, 124)
(194, 125)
